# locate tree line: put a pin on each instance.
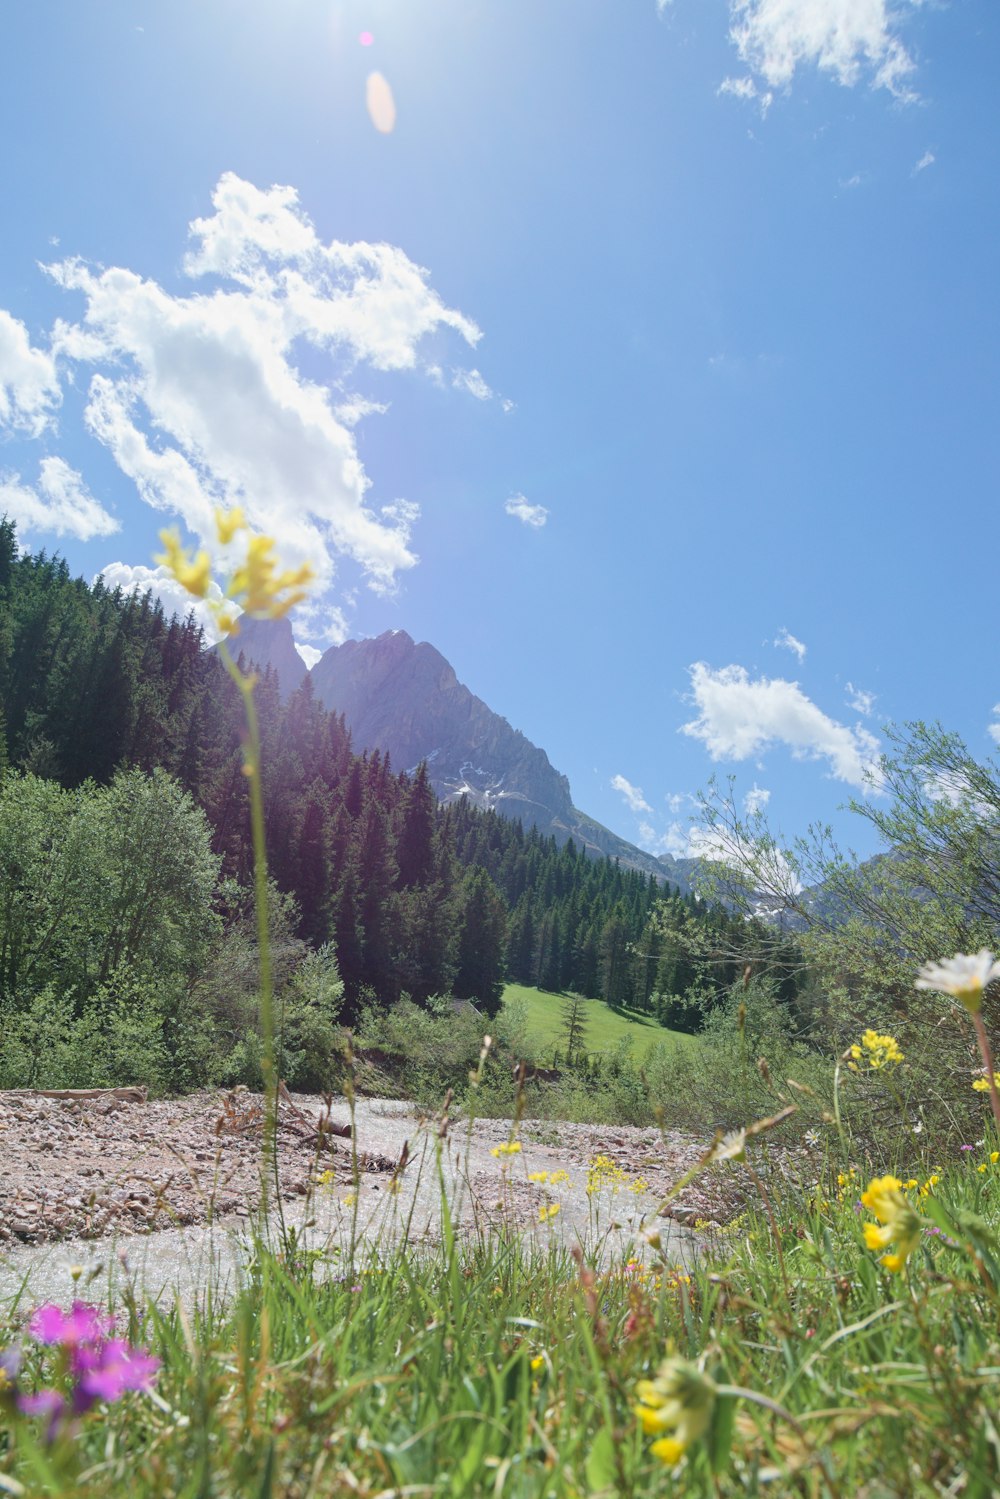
(412, 898)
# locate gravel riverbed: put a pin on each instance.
(164, 1191)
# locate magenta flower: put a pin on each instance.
(107, 1370)
(46, 1403)
(81, 1324)
(95, 1366)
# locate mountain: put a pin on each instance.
(404, 699)
(268, 642)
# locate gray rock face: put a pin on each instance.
(268, 642)
(404, 698)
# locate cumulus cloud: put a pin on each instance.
(308, 654)
(523, 510)
(632, 794)
(59, 503)
(927, 160)
(202, 399)
(756, 799)
(163, 586)
(29, 385)
(993, 729)
(847, 39)
(739, 718)
(862, 702)
(787, 641)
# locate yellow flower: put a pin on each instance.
(260, 589)
(876, 1051)
(256, 588)
(675, 1407)
(898, 1221)
(982, 1084)
(547, 1213)
(194, 574)
(538, 1362)
(538, 1176)
(227, 523)
(5, 1378)
(964, 976)
(557, 1177)
(510, 1147)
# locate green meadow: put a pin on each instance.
(604, 1029)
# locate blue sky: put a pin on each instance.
(642, 358)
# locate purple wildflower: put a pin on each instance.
(81, 1324)
(99, 1367)
(107, 1370)
(46, 1403)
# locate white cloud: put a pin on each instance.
(201, 400)
(308, 654)
(845, 38)
(29, 386)
(861, 701)
(756, 799)
(632, 794)
(993, 729)
(745, 88)
(739, 718)
(473, 382)
(163, 586)
(523, 510)
(60, 503)
(927, 160)
(788, 642)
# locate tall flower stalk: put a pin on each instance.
(258, 589)
(966, 977)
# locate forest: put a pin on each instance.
(126, 863)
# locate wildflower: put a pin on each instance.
(964, 976)
(731, 1147)
(679, 1401)
(194, 574)
(256, 588)
(81, 1324)
(227, 523)
(557, 1177)
(898, 1221)
(546, 1213)
(538, 1176)
(538, 1362)
(982, 1084)
(875, 1051)
(509, 1147)
(99, 1368)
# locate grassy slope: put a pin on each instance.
(604, 1026)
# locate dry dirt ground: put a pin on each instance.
(168, 1183)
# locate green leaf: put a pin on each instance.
(939, 1215)
(601, 1470)
(720, 1433)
